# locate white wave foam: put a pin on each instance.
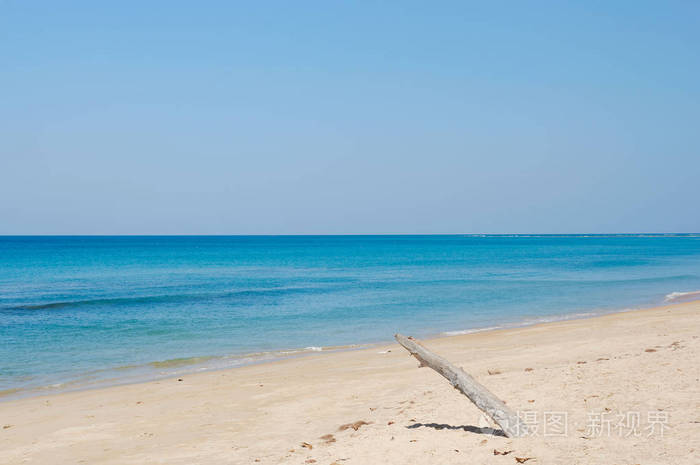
(314, 349)
(470, 331)
(673, 296)
(562, 317)
(533, 321)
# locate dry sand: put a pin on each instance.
(644, 363)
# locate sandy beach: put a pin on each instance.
(616, 389)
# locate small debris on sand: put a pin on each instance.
(505, 452)
(494, 372)
(522, 459)
(307, 445)
(328, 438)
(354, 426)
(650, 350)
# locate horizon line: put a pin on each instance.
(360, 234)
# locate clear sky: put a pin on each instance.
(267, 117)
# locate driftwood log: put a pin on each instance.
(488, 403)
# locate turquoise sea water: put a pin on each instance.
(83, 311)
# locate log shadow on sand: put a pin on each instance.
(468, 428)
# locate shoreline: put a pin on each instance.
(641, 361)
(265, 357)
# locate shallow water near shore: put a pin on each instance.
(85, 311)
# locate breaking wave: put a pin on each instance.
(676, 296)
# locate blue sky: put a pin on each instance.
(349, 117)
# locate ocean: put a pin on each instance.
(78, 312)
